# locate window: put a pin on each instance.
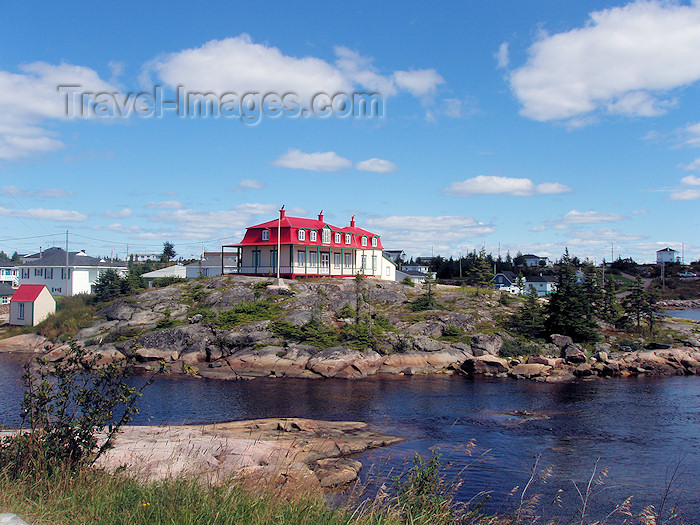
(337, 237)
(348, 238)
(301, 258)
(388, 271)
(38, 272)
(348, 260)
(25, 273)
(256, 258)
(374, 263)
(374, 242)
(326, 236)
(313, 235)
(301, 235)
(273, 259)
(364, 262)
(20, 313)
(266, 235)
(49, 273)
(312, 259)
(63, 273)
(336, 260)
(364, 240)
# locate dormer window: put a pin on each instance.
(326, 236)
(337, 237)
(301, 235)
(348, 238)
(312, 236)
(374, 242)
(364, 240)
(266, 235)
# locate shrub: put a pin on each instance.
(246, 312)
(313, 333)
(66, 405)
(452, 331)
(408, 282)
(162, 282)
(346, 312)
(516, 348)
(72, 314)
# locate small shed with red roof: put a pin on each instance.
(31, 304)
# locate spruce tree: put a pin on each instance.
(529, 320)
(635, 303)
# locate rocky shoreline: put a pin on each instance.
(166, 326)
(680, 304)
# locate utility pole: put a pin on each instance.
(67, 291)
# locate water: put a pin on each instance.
(639, 428)
(693, 313)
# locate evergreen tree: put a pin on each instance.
(168, 252)
(529, 320)
(569, 311)
(4, 257)
(611, 310)
(636, 302)
(16, 258)
(481, 274)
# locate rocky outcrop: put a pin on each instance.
(487, 365)
(287, 452)
(29, 343)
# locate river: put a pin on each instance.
(692, 313)
(488, 431)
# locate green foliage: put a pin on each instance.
(72, 314)
(66, 404)
(162, 282)
(247, 312)
(530, 319)
(311, 333)
(346, 312)
(570, 311)
(168, 252)
(517, 348)
(505, 299)
(481, 272)
(422, 492)
(452, 331)
(408, 282)
(640, 304)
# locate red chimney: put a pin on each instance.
(320, 216)
(352, 222)
(283, 213)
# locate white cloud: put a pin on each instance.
(14, 191)
(360, 70)
(575, 217)
(120, 214)
(119, 228)
(691, 180)
(164, 205)
(376, 165)
(417, 234)
(249, 184)
(695, 165)
(624, 60)
(257, 209)
(298, 160)
(502, 58)
(604, 235)
(493, 185)
(692, 134)
(30, 98)
(44, 214)
(685, 195)
(420, 82)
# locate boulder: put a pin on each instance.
(339, 361)
(423, 343)
(427, 328)
(583, 370)
(543, 360)
(409, 363)
(562, 341)
(486, 344)
(573, 353)
(485, 365)
(29, 343)
(529, 370)
(336, 472)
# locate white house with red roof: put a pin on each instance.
(31, 304)
(311, 248)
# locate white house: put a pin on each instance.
(48, 267)
(6, 293)
(544, 285)
(415, 277)
(31, 304)
(311, 248)
(535, 260)
(176, 270)
(667, 255)
(9, 273)
(210, 265)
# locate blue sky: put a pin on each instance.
(529, 126)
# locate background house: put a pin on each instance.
(9, 273)
(416, 277)
(176, 270)
(48, 267)
(543, 284)
(31, 304)
(6, 292)
(210, 265)
(667, 255)
(531, 260)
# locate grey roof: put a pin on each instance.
(508, 275)
(541, 279)
(414, 273)
(6, 264)
(168, 271)
(6, 290)
(57, 257)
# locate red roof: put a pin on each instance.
(27, 293)
(289, 227)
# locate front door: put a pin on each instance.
(325, 262)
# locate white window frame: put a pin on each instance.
(301, 258)
(374, 242)
(348, 238)
(313, 235)
(313, 259)
(301, 235)
(337, 237)
(348, 260)
(266, 235)
(374, 263)
(364, 240)
(336, 260)
(326, 236)
(20, 311)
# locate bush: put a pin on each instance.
(66, 405)
(452, 331)
(408, 282)
(162, 282)
(313, 333)
(346, 312)
(246, 312)
(516, 348)
(72, 314)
